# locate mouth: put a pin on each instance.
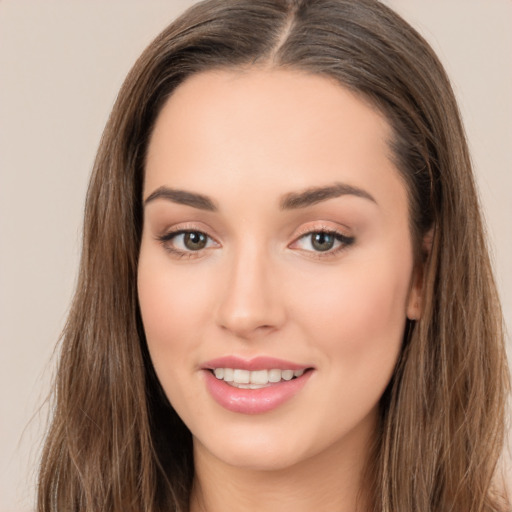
(254, 386)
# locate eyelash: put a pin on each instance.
(344, 242)
(166, 238)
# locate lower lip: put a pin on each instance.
(254, 401)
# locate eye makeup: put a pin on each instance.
(187, 242)
(321, 241)
(318, 242)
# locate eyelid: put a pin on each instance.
(185, 227)
(170, 233)
(323, 227)
(312, 228)
(343, 238)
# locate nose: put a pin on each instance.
(251, 304)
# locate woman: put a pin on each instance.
(285, 297)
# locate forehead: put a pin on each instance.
(268, 131)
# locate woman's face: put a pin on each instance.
(275, 244)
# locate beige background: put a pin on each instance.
(61, 65)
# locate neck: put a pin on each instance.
(331, 480)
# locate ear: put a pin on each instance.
(415, 299)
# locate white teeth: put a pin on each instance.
(287, 374)
(241, 376)
(259, 377)
(274, 375)
(256, 379)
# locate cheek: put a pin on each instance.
(174, 306)
(358, 315)
(173, 311)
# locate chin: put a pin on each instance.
(255, 452)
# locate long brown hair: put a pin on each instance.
(115, 442)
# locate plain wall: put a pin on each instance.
(61, 65)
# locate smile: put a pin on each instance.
(254, 386)
(257, 379)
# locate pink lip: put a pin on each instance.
(257, 363)
(253, 401)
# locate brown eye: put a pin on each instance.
(186, 242)
(194, 240)
(322, 241)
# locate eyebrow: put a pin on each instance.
(182, 197)
(311, 196)
(291, 201)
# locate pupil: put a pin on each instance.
(195, 240)
(323, 241)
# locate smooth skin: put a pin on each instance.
(257, 266)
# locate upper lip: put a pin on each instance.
(256, 363)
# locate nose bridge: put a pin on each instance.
(250, 302)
